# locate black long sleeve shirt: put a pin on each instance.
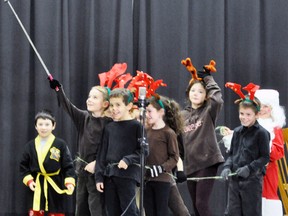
(89, 128)
(249, 146)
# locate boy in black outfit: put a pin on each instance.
(117, 167)
(249, 153)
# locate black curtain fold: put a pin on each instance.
(80, 39)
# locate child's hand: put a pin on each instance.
(90, 167)
(122, 165)
(100, 187)
(243, 172)
(225, 173)
(32, 185)
(155, 170)
(70, 187)
(181, 177)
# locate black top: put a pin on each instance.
(249, 146)
(89, 128)
(121, 141)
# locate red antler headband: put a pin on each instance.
(251, 88)
(144, 80)
(115, 74)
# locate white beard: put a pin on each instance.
(268, 124)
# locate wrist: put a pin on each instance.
(29, 182)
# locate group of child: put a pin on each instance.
(108, 165)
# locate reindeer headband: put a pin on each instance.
(190, 67)
(116, 74)
(144, 80)
(251, 88)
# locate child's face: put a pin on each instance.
(95, 101)
(153, 115)
(119, 111)
(247, 116)
(44, 127)
(265, 111)
(197, 95)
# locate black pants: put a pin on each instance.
(200, 191)
(120, 196)
(89, 202)
(245, 196)
(156, 195)
(176, 203)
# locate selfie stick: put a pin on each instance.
(30, 41)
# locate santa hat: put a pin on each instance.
(271, 97)
(268, 97)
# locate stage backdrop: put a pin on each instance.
(80, 39)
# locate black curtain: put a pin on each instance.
(77, 40)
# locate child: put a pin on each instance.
(175, 202)
(248, 155)
(46, 166)
(202, 155)
(117, 168)
(272, 118)
(90, 125)
(163, 115)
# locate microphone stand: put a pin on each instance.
(143, 154)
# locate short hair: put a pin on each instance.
(123, 93)
(45, 114)
(254, 104)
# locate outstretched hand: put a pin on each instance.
(54, 84)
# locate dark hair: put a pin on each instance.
(191, 83)
(172, 115)
(254, 104)
(45, 114)
(123, 93)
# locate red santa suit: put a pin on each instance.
(271, 204)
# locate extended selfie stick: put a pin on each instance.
(30, 41)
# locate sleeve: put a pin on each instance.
(263, 147)
(215, 96)
(24, 166)
(101, 158)
(228, 163)
(181, 146)
(77, 115)
(173, 153)
(134, 158)
(67, 166)
(277, 148)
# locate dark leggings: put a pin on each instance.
(156, 196)
(200, 191)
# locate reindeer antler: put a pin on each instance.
(251, 88)
(189, 66)
(236, 88)
(122, 80)
(144, 80)
(107, 78)
(211, 67)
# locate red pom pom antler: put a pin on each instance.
(236, 88)
(107, 78)
(251, 88)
